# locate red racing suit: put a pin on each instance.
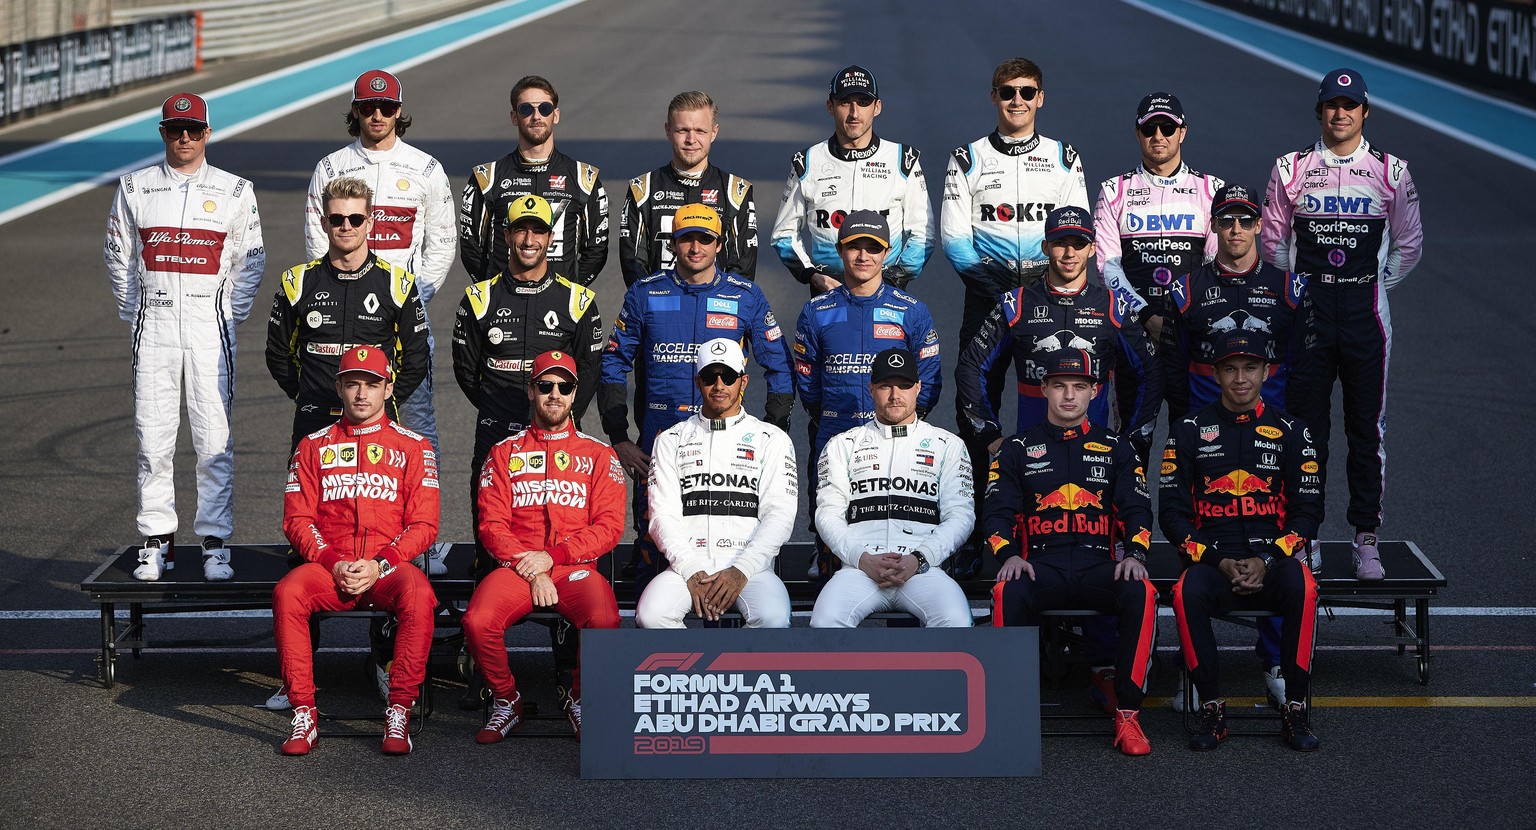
(358, 492)
(561, 492)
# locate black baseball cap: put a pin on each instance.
(1235, 197)
(1069, 362)
(1160, 105)
(893, 363)
(853, 80)
(1068, 220)
(1242, 343)
(865, 224)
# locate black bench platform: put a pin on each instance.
(1412, 578)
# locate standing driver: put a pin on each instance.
(893, 503)
(551, 504)
(723, 493)
(360, 503)
(1059, 497)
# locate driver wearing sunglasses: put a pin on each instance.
(550, 504)
(723, 492)
(414, 225)
(579, 247)
(349, 297)
(1153, 223)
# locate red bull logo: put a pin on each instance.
(1237, 483)
(1069, 497)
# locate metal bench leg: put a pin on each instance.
(108, 645)
(1421, 629)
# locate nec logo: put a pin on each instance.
(679, 660)
(1160, 222)
(1333, 205)
(1024, 212)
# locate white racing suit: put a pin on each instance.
(723, 494)
(185, 257)
(894, 489)
(415, 227)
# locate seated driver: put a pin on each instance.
(723, 493)
(893, 503)
(361, 502)
(551, 503)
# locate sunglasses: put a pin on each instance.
(174, 132)
(712, 374)
(1151, 128)
(369, 107)
(337, 219)
(1025, 93)
(547, 386)
(544, 108)
(1247, 222)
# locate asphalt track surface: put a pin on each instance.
(176, 742)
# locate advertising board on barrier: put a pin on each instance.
(810, 703)
(51, 72)
(1488, 43)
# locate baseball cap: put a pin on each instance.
(368, 359)
(853, 80)
(893, 363)
(554, 361)
(377, 85)
(696, 219)
(1069, 362)
(1242, 343)
(1342, 83)
(184, 106)
(530, 207)
(722, 351)
(865, 224)
(1160, 105)
(1235, 197)
(1068, 220)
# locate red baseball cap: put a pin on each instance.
(554, 361)
(377, 85)
(369, 359)
(184, 106)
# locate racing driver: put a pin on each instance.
(1059, 497)
(1344, 214)
(551, 504)
(723, 494)
(1239, 496)
(894, 502)
(360, 503)
(184, 253)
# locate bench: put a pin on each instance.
(1412, 579)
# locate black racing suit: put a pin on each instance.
(319, 313)
(1060, 498)
(1238, 485)
(579, 246)
(645, 227)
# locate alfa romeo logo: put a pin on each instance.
(182, 105)
(378, 84)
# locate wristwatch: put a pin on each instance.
(1139, 556)
(922, 563)
(384, 567)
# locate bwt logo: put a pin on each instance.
(679, 660)
(1161, 222)
(1333, 205)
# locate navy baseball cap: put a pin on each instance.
(1342, 83)
(1242, 343)
(1068, 220)
(1235, 197)
(893, 363)
(1160, 105)
(1069, 362)
(853, 80)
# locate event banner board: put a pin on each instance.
(811, 703)
(52, 72)
(1489, 44)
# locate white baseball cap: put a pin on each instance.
(721, 350)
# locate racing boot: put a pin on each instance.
(433, 562)
(155, 557)
(216, 566)
(1102, 691)
(1314, 556)
(1274, 686)
(573, 714)
(1129, 738)
(397, 730)
(506, 715)
(1295, 728)
(1213, 727)
(1367, 558)
(305, 732)
(279, 702)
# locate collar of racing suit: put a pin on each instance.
(1163, 181)
(849, 154)
(677, 279)
(1333, 160)
(721, 424)
(517, 286)
(895, 430)
(350, 429)
(1247, 416)
(1236, 276)
(547, 435)
(1013, 148)
(1064, 434)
